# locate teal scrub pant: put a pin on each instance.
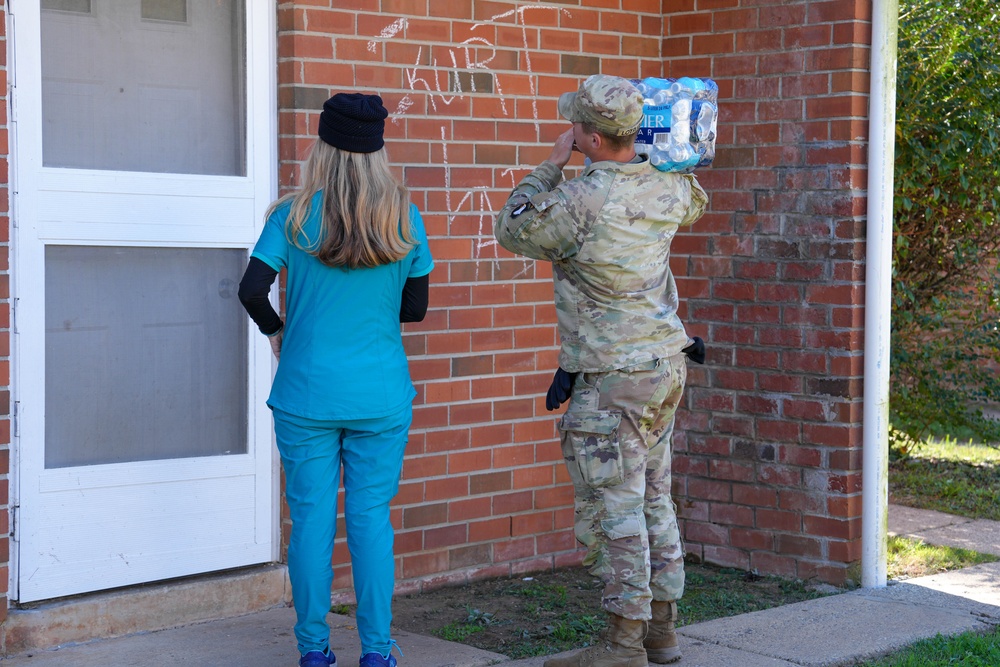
(371, 453)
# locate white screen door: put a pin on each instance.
(143, 162)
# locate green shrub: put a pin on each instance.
(946, 300)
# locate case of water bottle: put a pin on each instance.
(680, 119)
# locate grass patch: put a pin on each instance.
(718, 592)
(951, 449)
(475, 621)
(575, 631)
(909, 558)
(948, 476)
(970, 649)
(541, 596)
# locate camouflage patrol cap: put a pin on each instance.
(611, 104)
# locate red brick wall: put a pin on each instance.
(471, 88)
(768, 448)
(769, 451)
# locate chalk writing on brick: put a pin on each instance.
(446, 83)
(430, 79)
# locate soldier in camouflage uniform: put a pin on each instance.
(607, 234)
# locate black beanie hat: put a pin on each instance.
(353, 122)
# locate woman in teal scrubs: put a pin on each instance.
(357, 262)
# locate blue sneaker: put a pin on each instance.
(318, 659)
(373, 659)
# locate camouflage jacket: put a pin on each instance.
(607, 234)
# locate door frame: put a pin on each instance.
(23, 31)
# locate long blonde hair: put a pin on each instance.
(366, 210)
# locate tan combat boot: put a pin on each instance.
(661, 642)
(620, 646)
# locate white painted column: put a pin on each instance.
(878, 293)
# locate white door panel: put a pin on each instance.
(144, 157)
(134, 217)
(112, 549)
(162, 97)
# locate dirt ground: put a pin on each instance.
(554, 611)
(518, 617)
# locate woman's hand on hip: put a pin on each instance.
(275, 342)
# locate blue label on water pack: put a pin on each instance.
(655, 125)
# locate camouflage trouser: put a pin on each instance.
(616, 442)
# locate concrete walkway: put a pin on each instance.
(945, 529)
(835, 630)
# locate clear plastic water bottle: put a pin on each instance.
(694, 86)
(650, 87)
(704, 117)
(658, 156)
(680, 121)
(711, 90)
(655, 83)
(680, 152)
(662, 98)
(706, 154)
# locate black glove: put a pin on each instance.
(560, 389)
(696, 350)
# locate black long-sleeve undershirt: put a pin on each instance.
(254, 288)
(413, 306)
(259, 276)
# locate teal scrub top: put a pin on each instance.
(341, 352)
